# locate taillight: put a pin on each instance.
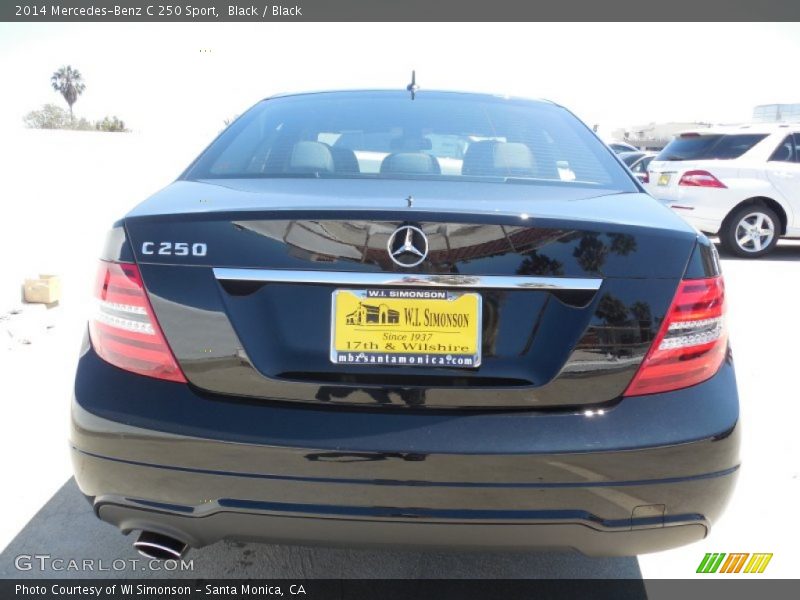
(700, 179)
(646, 177)
(124, 329)
(691, 343)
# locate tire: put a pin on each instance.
(750, 231)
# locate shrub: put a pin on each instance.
(81, 125)
(52, 117)
(49, 117)
(110, 124)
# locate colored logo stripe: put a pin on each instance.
(733, 564)
(710, 562)
(758, 563)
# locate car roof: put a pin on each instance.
(402, 92)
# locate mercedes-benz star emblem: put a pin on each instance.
(408, 246)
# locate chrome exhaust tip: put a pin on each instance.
(159, 547)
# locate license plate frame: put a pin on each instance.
(438, 340)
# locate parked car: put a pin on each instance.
(315, 336)
(620, 147)
(741, 183)
(638, 163)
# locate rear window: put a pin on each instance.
(710, 147)
(641, 166)
(442, 136)
(617, 147)
(787, 151)
(631, 157)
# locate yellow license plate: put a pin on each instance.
(417, 328)
(663, 179)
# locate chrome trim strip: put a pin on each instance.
(351, 278)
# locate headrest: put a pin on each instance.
(311, 157)
(344, 160)
(498, 159)
(411, 163)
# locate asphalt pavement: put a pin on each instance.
(65, 529)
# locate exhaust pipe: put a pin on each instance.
(159, 547)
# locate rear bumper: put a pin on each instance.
(704, 210)
(647, 474)
(707, 226)
(278, 528)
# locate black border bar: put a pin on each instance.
(397, 10)
(745, 587)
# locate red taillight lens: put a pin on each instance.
(124, 329)
(692, 341)
(646, 177)
(700, 179)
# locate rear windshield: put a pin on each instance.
(710, 147)
(435, 136)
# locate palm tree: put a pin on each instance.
(69, 83)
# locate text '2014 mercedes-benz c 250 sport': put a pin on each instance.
(431, 319)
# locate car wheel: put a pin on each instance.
(750, 231)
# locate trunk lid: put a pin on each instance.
(571, 286)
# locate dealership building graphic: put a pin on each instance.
(370, 314)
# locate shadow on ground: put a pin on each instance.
(786, 250)
(66, 528)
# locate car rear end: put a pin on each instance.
(703, 175)
(483, 360)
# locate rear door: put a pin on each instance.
(783, 170)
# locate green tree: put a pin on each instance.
(69, 83)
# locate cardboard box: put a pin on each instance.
(44, 290)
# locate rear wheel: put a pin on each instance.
(750, 231)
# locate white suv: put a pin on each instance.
(742, 183)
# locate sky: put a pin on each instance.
(190, 77)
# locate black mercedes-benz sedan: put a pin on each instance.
(420, 319)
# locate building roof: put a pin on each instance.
(766, 128)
